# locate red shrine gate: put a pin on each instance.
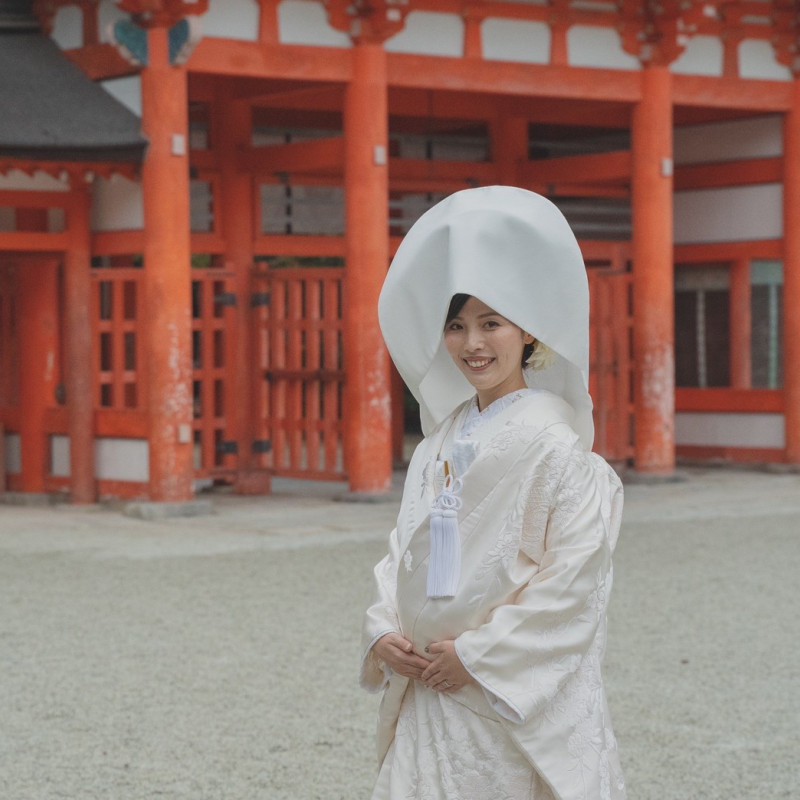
(297, 405)
(153, 354)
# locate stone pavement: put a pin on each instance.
(215, 657)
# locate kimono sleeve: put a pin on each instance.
(526, 651)
(381, 618)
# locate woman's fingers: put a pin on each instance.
(397, 653)
(444, 686)
(442, 674)
(394, 640)
(430, 671)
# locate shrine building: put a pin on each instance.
(199, 201)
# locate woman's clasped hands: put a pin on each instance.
(443, 673)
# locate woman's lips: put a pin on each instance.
(478, 363)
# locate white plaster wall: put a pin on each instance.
(122, 459)
(115, 459)
(38, 182)
(56, 220)
(429, 33)
(305, 22)
(460, 149)
(730, 430)
(231, 19)
(117, 204)
(516, 40)
(68, 27)
(201, 207)
(13, 443)
(732, 214)
(757, 60)
(760, 137)
(8, 220)
(59, 456)
(590, 46)
(315, 210)
(703, 56)
(127, 90)
(108, 14)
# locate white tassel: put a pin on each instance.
(444, 564)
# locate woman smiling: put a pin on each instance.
(488, 624)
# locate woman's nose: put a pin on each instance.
(474, 340)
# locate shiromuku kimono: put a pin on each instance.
(537, 520)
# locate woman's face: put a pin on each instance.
(487, 348)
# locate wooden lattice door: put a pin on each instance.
(298, 346)
(611, 364)
(214, 310)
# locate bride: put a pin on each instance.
(488, 624)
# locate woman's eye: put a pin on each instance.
(492, 323)
(453, 326)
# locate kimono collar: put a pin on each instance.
(513, 250)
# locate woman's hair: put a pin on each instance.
(536, 355)
(457, 302)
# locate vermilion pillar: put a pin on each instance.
(37, 322)
(509, 145)
(654, 337)
(167, 256)
(232, 132)
(367, 397)
(78, 349)
(791, 276)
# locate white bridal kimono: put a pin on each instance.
(538, 524)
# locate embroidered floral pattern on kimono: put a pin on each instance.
(539, 521)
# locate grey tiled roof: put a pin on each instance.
(50, 111)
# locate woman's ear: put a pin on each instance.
(527, 338)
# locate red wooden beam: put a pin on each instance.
(289, 245)
(33, 242)
(464, 172)
(587, 169)
(727, 251)
(506, 78)
(429, 185)
(295, 62)
(112, 243)
(207, 243)
(315, 155)
(729, 173)
(332, 64)
(27, 199)
(121, 423)
(750, 95)
(580, 189)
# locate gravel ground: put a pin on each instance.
(215, 658)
